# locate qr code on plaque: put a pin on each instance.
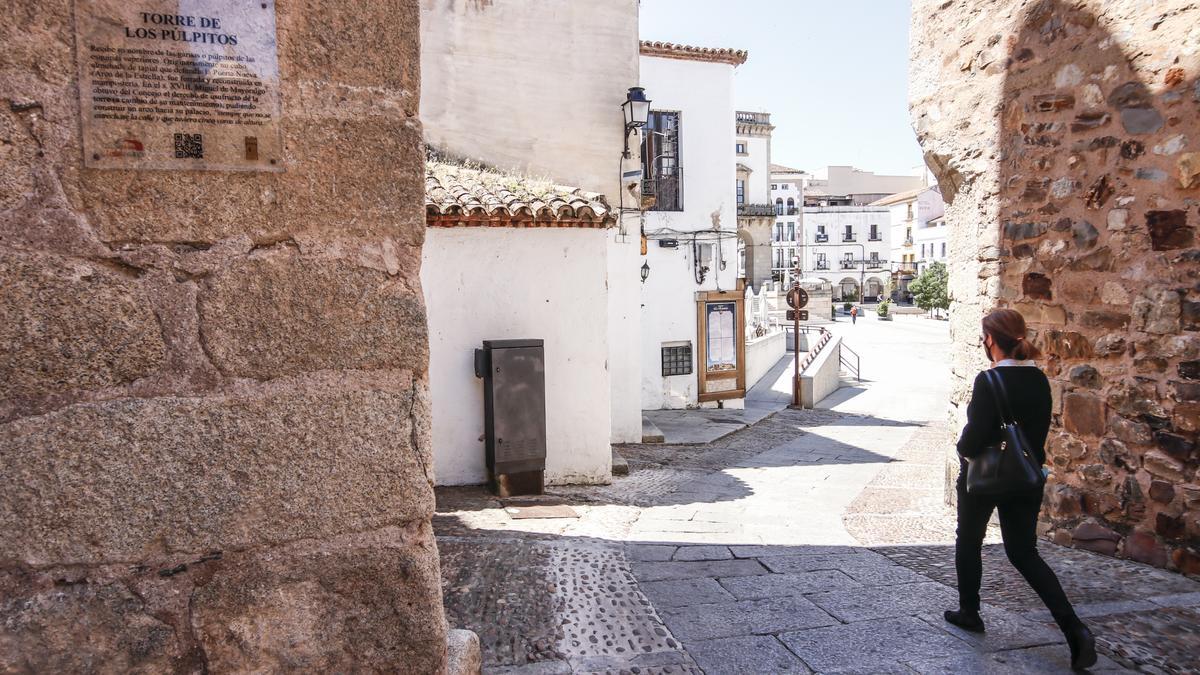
(189, 146)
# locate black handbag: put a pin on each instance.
(1009, 466)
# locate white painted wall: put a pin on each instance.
(762, 354)
(486, 95)
(624, 335)
(703, 93)
(530, 85)
(822, 377)
(501, 283)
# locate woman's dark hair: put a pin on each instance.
(1007, 328)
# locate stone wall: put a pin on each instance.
(1066, 139)
(213, 412)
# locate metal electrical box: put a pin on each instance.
(514, 413)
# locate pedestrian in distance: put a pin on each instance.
(1009, 411)
(854, 314)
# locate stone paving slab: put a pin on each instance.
(883, 575)
(650, 552)
(904, 600)
(872, 646)
(658, 663)
(1005, 630)
(695, 526)
(1033, 661)
(745, 654)
(780, 585)
(684, 592)
(810, 563)
(687, 538)
(745, 617)
(695, 553)
(764, 551)
(660, 571)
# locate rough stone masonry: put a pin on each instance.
(1066, 137)
(214, 438)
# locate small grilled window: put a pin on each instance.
(677, 360)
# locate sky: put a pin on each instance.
(832, 73)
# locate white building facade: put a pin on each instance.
(847, 246)
(572, 283)
(787, 197)
(929, 243)
(692, 301)
(918, 232)
(752, 148)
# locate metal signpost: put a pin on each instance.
(797, 298)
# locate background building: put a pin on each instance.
(912, 234)
(847, 246)
(755, 215)
(929, 243)
(689, 167)
(787, 197)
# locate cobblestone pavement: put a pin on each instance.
(812, 541)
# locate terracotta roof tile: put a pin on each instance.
(670, 50)
(460, 195)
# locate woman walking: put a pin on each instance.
(1022, 395)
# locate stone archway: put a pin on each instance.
(1063, 136)
(754, 249)
(873, 288)
(847, 289)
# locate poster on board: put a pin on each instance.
(721, 338)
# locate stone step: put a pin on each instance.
(651, 433)
(620, 467)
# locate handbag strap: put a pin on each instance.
(1001, 397)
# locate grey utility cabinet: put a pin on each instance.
(514, 413)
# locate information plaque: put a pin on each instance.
(179, 84)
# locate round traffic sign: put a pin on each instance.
(797, 298)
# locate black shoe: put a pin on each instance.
(965, 619)
(1083, 646)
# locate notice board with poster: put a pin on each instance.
(179, 84)
(722, 345)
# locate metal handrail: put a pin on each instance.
(856, 367)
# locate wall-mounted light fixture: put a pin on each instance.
(645, 271)
(637, 112)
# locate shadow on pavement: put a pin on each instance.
(553, 604)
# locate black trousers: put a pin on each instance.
(1018, 526)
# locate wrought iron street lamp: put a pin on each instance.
(637, 112)
(645, 271)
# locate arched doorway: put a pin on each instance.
(873, 288)
(847, 290)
